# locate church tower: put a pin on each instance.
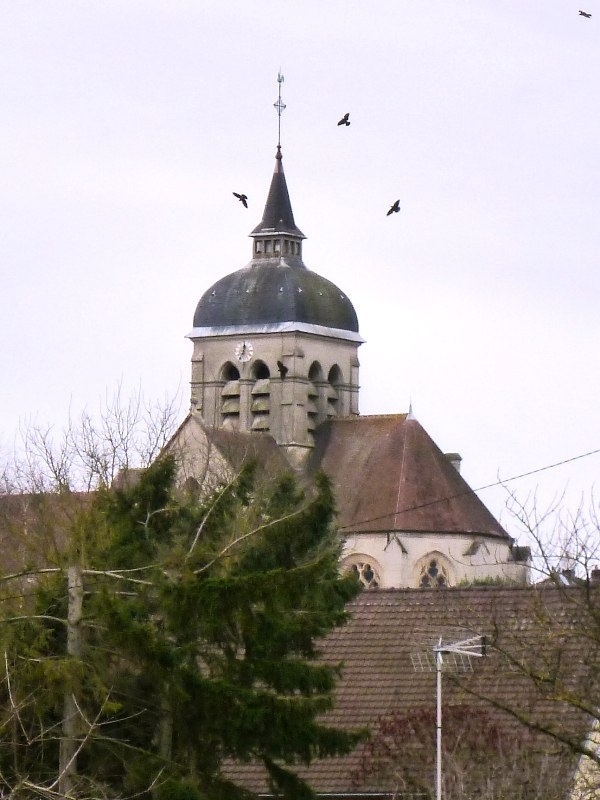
(275, 377)
(275, 344)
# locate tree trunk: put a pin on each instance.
(70, 723)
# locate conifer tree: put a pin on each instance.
(196, 644)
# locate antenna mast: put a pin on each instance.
(458, 656)
(280, 106)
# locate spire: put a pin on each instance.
(278, 216)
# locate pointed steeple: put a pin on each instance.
(278, 217)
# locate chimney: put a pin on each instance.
(454, 459)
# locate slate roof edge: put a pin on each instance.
(276, 327)
(361, 530)
(378, 596)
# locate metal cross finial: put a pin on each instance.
(280, 106)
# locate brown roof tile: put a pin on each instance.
(389, 475)
(392, 630)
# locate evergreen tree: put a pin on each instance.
(197, 644)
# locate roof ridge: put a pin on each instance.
(358, 417)
(401, 475)
(392, 591)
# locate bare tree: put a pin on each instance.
(92, 448)
(542, 674)
(46, 486)
(565, 541)
(483, 757)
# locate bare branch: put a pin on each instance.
(240, 539)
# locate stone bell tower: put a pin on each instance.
(275, 344)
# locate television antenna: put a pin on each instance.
(454, 656)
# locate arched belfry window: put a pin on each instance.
(433, 572)
(365, 568)
(334, 379)
(315, 382)
(230, 396)
(260, 405)
(260, 371)
(315, 373)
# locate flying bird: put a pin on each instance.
(242, 198)
(584, 14)
(344, 120)
(394, 207)
(282, 369)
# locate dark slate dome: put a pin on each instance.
(267, 293)
(275, 288)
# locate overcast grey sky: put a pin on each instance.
(127, 124)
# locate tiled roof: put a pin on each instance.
(391, 635)
(239, 448)
(389, 475)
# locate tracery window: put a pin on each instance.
(434, 574)
(366, 569)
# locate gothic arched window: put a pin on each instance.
(433, 572)
(367, 570)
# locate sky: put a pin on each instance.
(127, 125)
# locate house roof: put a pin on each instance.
(389, 475)
(388, 665)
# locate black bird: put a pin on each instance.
(584, 14)
(282, 369)
(344, 120)
(394, 207)
(242, 198)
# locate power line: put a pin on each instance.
(539, 469)
(468, 490)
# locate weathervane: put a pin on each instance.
(280, 106)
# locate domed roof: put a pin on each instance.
(271, 292)
(275, 289)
